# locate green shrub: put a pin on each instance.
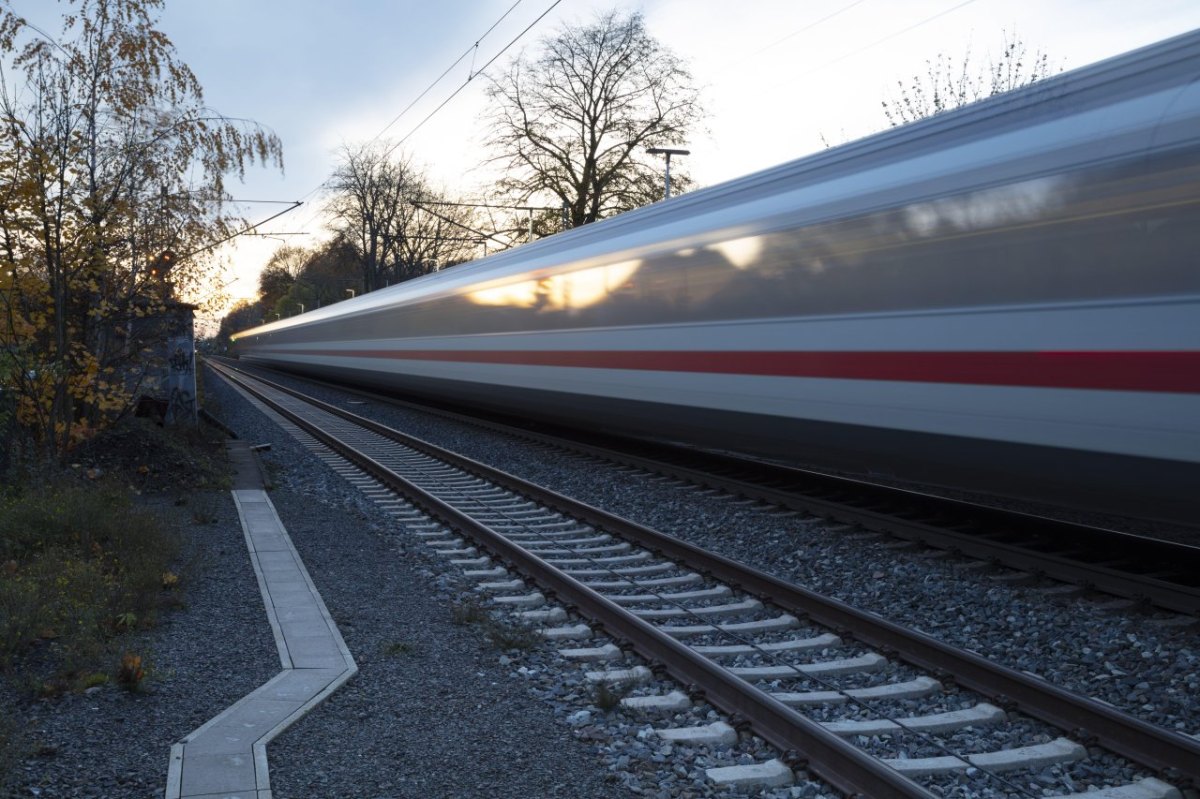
(93, 680)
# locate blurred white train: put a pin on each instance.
(1003, 298)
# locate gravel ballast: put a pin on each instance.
(1132, 660)
(432, 711)
(933, 594)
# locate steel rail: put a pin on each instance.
(1175, 756)
(1177, 597)
(841, 764)
(1182, 558)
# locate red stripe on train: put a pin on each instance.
(1173, 371)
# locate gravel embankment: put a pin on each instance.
(108, 743)
(1133, 661)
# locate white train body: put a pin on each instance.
(1005, 298)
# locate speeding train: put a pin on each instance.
(1003, 298)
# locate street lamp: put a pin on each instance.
(668, 152)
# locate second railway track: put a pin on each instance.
(1148, 570)
(753, 645)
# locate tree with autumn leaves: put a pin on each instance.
(109, 158)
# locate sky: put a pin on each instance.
(779, 78)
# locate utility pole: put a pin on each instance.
(668, 152)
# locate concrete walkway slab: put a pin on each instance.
(226, 757)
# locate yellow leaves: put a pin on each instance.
(90, 199)
(90, 367)
(77, 434)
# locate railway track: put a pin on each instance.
(803, 671)
(1144, 570)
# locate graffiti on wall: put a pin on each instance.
(180, 384)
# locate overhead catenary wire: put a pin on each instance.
(316, 210)
(474, 73)
(471, 77)
(470, 51)
(244, 231)
(794, 34)
(887, 38)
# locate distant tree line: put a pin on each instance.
(388, 224)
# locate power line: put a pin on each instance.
(795, 33)
(472, 49)
(316, 210)
(468, 228)
(244, 231)
(887, 38)
(492, 60)
(494, 205)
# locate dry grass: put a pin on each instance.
(394, 649)
(500, 634)
(608, 696)
(81, 565)
(508, 637)
(468, 611)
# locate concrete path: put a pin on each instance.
(227, 757)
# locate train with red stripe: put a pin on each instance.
(1002, 298)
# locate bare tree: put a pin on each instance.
(434, 236)
(574, 122)
(948, 84)
(378, 206)
(368, 196)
